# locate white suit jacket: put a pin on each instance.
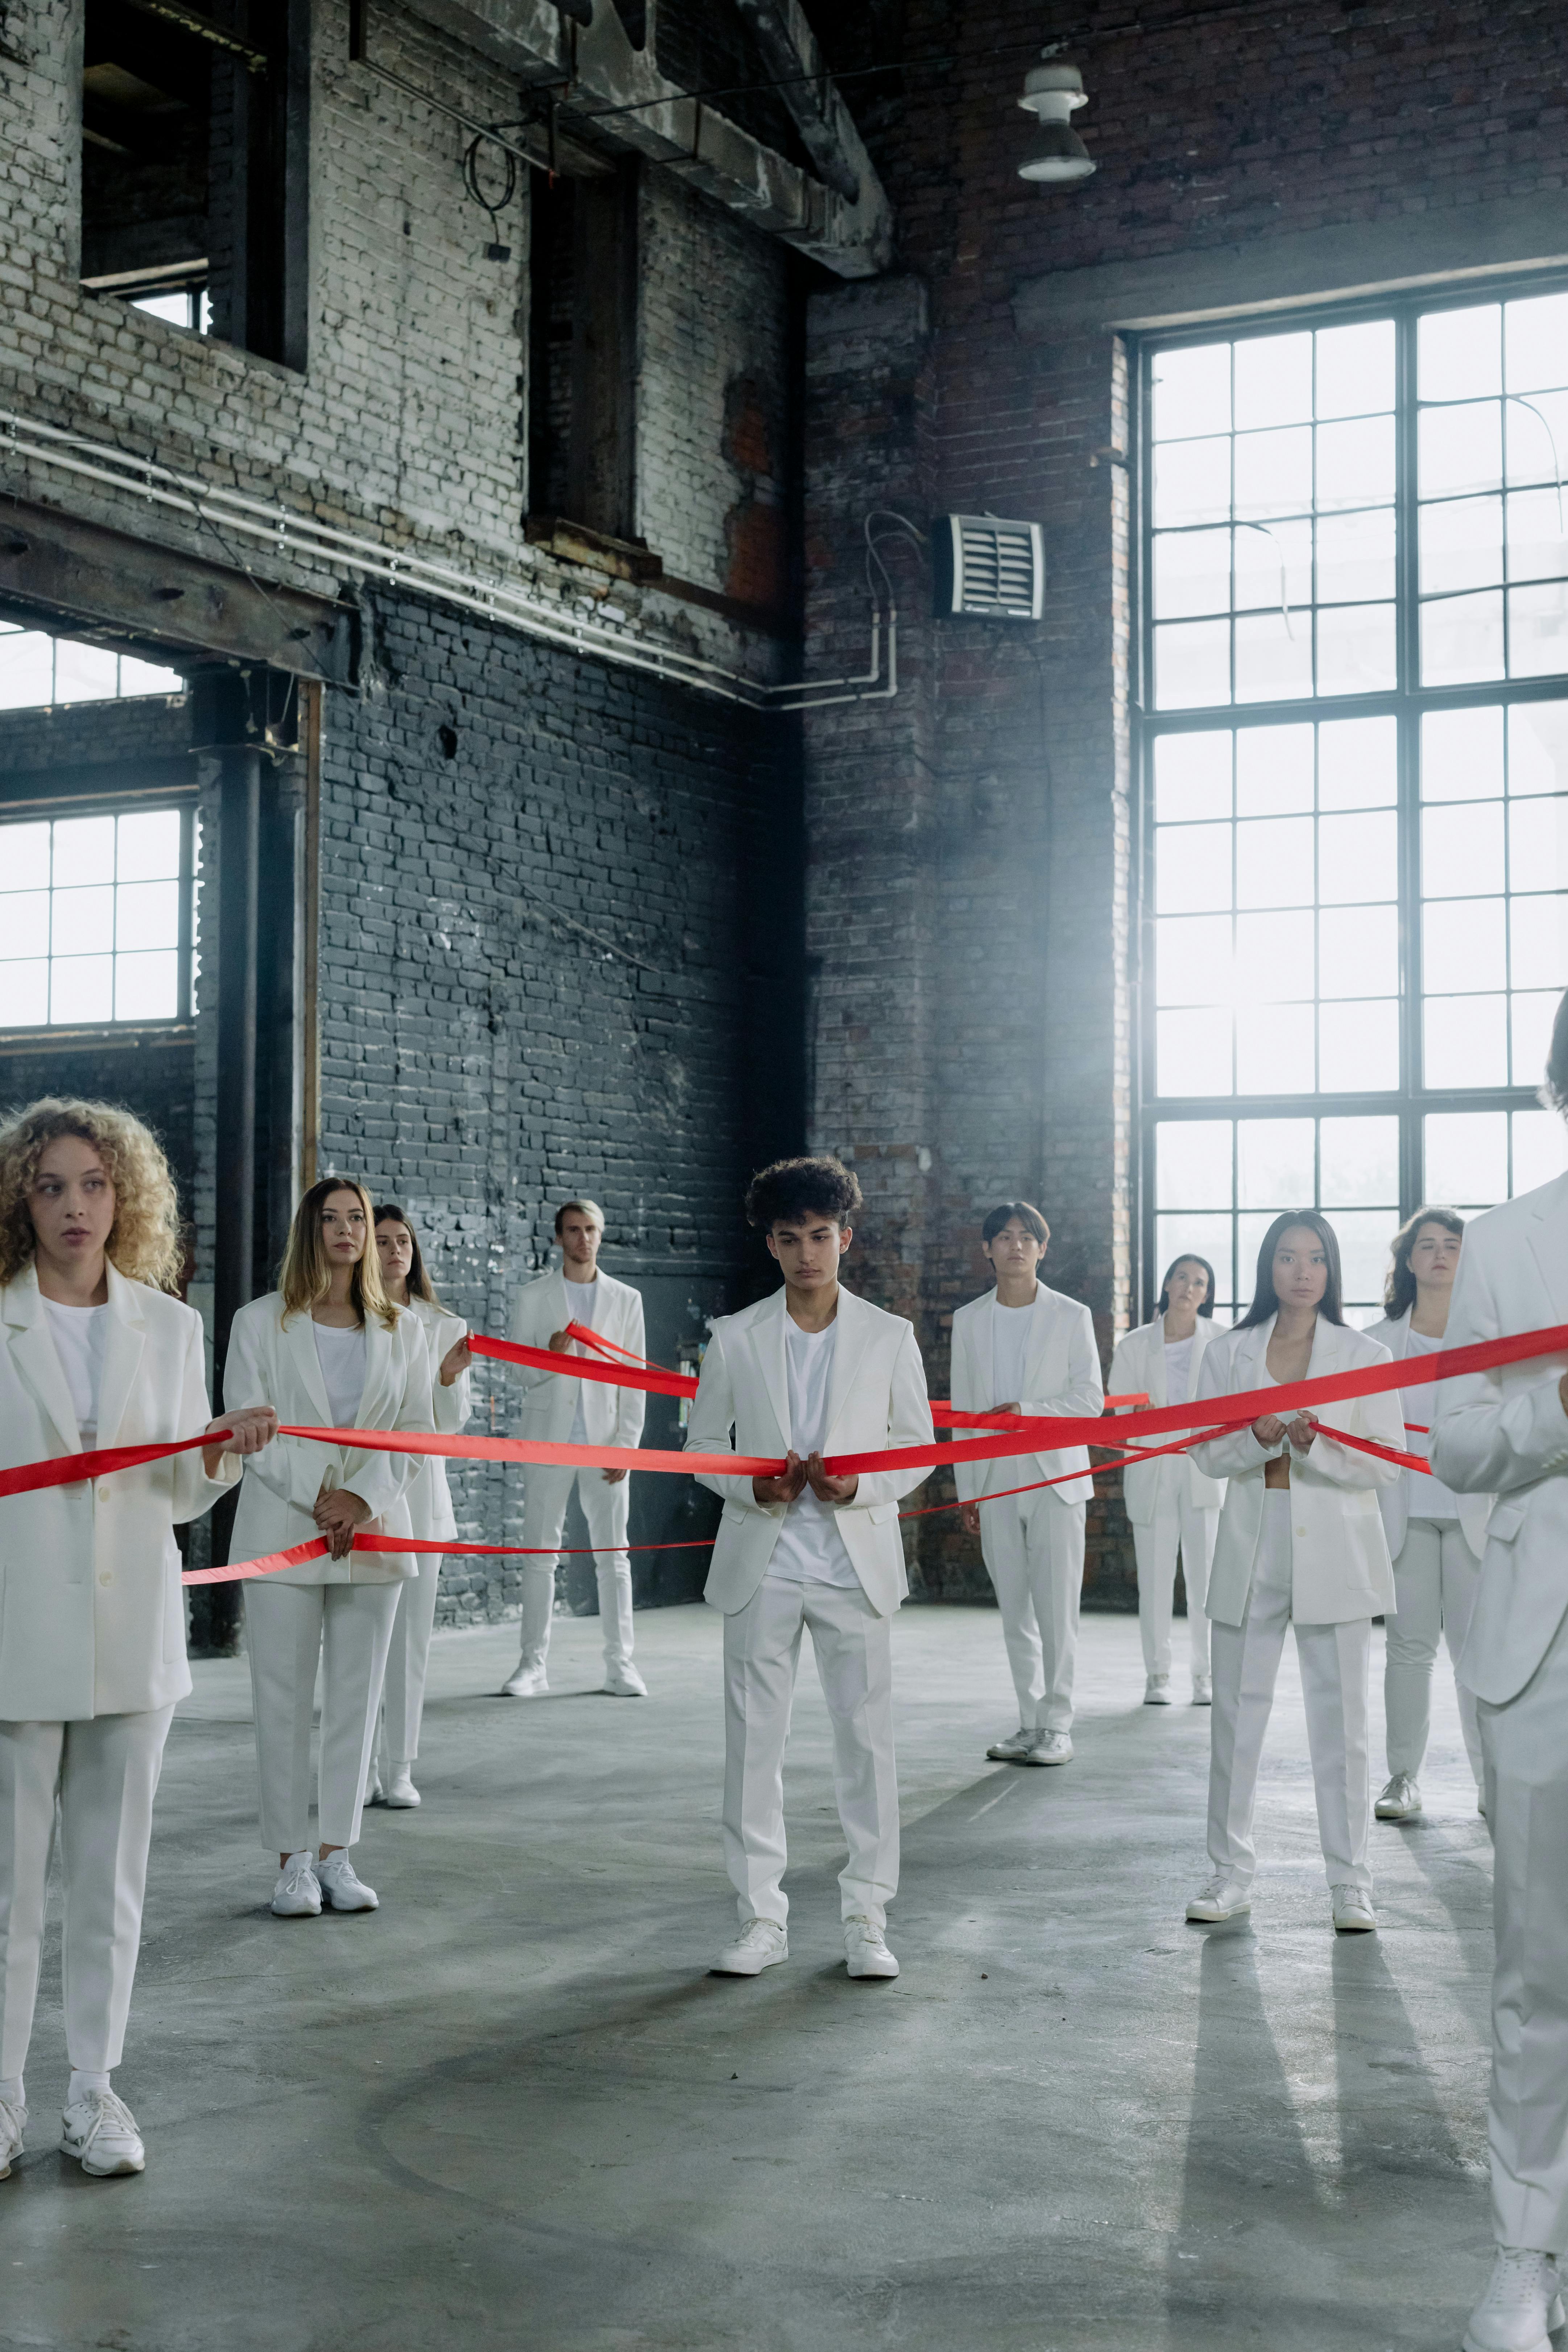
(1061, 1375)
(275, 1362)
(1340, 1564)
(1505, 1434)
(92, 1615)
(1138, 1367)
(429, 1497)
(1420, 1404)
(877, 1397)
(612, 1416)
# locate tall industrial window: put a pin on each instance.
(37, 670)
(1354, 741)
(96, 918)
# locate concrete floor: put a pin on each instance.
(511, 2110)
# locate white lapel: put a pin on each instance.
(382, 1359)
(1396, 1339)
(298, 1341)
(767, 1338)
(985, 1348)
(1329, 1342)
(122, 1354)
(854, 1337)
(1042, 1323)
(1154, 1362)
(1549, 1244)
(33, 1352)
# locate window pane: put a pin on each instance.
(147, 915)
(1357, 652)
(1274, 472)
(1465, 946)
(1274, 1049)
(1360, 1160)
(1358, 1048)
(1530, 1019)
(1355, 368)
(1461, 849)
(1540, 1148)
(1194, 1053)
(1274, 961)
(1537, 845)
(82, 919)
(149, 846)
(26, 669)
(1535, 437)
(1273, 565)
(25, 864)
(1355, 556)
(25, 923)
(1192, 777)
(146, 677)
(1273, 771)
(1274, 1163)
(1537, 549)
(147, 987)
(1193, 1164)
(1466, 1041)
(1535, 342)
(1193, 868)
(1274, 862)
(1358, 951)
(1364, 1237)
(1538, 942)
(1273, 656)
(1206, 1237)
(1461, 545)
(1273, 380)
(1355, 463)
(1250, 1228)
(1461, 640)
(1461, 754)
(1460, 353)
(1191, 392)
(1460, 449)
(1192, 664)
(24, 994)
(84, 851)
(85, 673)
(1192, 573)
(1357, 763)
(1358, 856)
(1466, 1156)
(1538, 630)
(1193, 958)
(1192, 483)
(81, 988)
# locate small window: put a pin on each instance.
(96, 918)
(37, 670)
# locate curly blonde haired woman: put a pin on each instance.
(327, 1349)
(93, 1660)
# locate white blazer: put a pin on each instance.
(1505, 1434)
(92, 1615)
(877, 1397)
(429, 1496)
(1393, 1502)
(1138, 1367)
(1061, 1375)
(1340, 1564)
(275, 1362)
(612, 1416)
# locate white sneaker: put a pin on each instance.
(1014, 1747)
(1353, 1914)
(866, 1952)
(1400, 1801)
(1522, 2308)
(298, 1894)
(1049, 1748)
(402, 1790)
(529, 1682)
(1203, 1691)
(341, 1887)
(760, 1943)
(13, 2123)
(101, 2133)
(1221, 1898)
(373, 1792)
(625, 1681)
(1157, 1690)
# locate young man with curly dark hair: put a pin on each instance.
(808, 1373)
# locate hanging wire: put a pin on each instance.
(900, 523)
(1284, 594)
(494, 205)
(1519, 402)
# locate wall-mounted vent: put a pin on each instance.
(994, 569)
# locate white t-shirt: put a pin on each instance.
(81, 1335)
(340, 1355)
(810, 1549)
(1178, 1369)
(1426, 1497)
(583, 1303)
(1009, 1346)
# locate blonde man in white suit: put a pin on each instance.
(93, 1353)
(559, 1411)
(1172, 1503)
(811, 1371)
(1025, 1349)
(1505, 1432)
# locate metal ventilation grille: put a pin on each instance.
(991, 567)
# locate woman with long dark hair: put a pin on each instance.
(1300, 1543)
(1172, 1505)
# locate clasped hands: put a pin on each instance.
(799, 1474)
(338, 1511)
(1271, 1429)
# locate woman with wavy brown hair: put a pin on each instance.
(94, 1354)
(327, 1349)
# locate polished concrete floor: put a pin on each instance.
(512, 2109)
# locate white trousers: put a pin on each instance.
(289, 1630)
(102, 1774)
(1525, 1746)
(408, 1661)
(1434, 1580)
(1192, 1528)
(607, 1509)
(1033, 1549)
(1334, 1662)
(854, 1650)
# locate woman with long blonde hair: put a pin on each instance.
(94, 1354)
(327, 1349)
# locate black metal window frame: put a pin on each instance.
(1406, 702)
(66, 806)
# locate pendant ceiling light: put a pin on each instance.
(1052, 93)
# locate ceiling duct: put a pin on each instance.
(990, 568)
